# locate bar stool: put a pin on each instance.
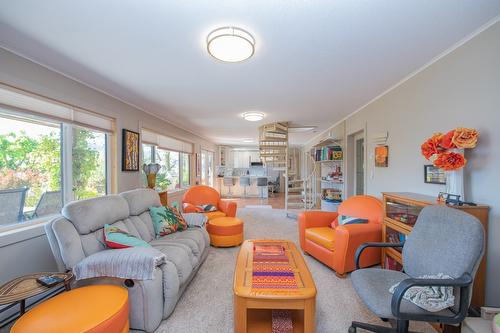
(229, 182)
(244, 182)
(261, 184)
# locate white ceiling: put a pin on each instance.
(315, 61)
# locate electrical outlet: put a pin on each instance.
(488, 313)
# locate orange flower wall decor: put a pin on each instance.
(465, 137)
(431, 146)
(450, 161)
(441, 149)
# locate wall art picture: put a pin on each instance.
(434, 175)
(130, 150)
(382, 156)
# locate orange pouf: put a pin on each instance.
(92, 309)
(225, 231)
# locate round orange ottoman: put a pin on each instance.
(92, 309)
(225, 231)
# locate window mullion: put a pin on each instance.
(67, 163)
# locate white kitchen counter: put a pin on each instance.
(237, 191)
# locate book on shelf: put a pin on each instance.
(329, 153)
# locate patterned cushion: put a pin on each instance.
(117, 238)
(206, 208)
(344, 220)
(167, 220)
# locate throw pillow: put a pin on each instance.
(345, 220)
(117, 238)
(166, 220)
(206, 208)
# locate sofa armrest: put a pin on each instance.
(189, 208)
(314, 219)
(136, 263)
(228, 207)
(347, 240)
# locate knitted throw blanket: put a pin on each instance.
(432, 299)
(136, 263)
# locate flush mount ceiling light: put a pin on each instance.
(253, 116)
(301, 129)
(247, 140)
(230, 44)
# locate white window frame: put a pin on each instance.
(67, 161)
(66, 145)
(181, 157)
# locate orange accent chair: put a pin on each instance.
(334, 245)
(204, 195)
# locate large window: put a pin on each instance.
(88, 163)
(44, 164)
(175, 167)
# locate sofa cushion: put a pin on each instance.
(180, 255)
(214, 215)
(323, 236)
(139, 200)
(92, 214)
(194, 239)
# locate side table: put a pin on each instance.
(24, 287)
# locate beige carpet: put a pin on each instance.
(206, 306)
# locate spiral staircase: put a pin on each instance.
(275, 153)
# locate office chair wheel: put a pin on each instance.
(352, 329)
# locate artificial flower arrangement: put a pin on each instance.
(441, 149)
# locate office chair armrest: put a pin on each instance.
(463, 282)
(367, 245)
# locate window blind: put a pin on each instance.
(166, 142)
(20, 101)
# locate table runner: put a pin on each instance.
(271, 267)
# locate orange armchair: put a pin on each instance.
(204, 195)
(334, 245)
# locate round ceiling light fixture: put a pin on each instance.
(253, 116)
(248, 140)
(230, 44)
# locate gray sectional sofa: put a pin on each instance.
(78, 234)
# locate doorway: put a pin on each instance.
(355, 164)
(207, 168)
(359, 164)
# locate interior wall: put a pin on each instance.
(30, 252)
(462, 89)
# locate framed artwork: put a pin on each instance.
(130, 150)
(433, 175)
(382, 156)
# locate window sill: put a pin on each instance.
(20, 233)
(178, 191)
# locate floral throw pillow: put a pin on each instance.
(206, 208)
(167, 220)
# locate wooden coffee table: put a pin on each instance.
(253, 306)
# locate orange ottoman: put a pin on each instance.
(225, 231)
(92, 309)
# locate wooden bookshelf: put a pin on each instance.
(414, 203)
